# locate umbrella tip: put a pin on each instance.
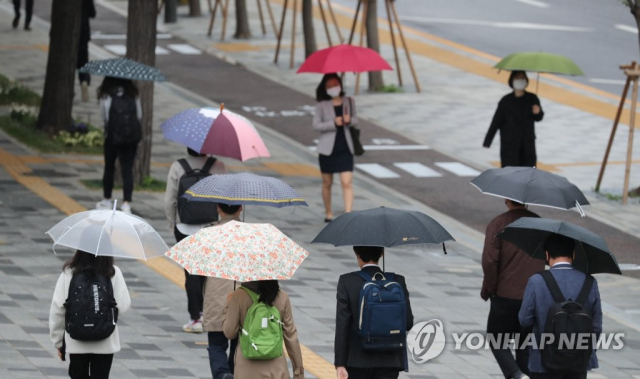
(221, 107)
(115, 204)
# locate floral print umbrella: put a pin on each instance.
(239, 251)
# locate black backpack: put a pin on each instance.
(91, 310)
(195, 212)
(123, 126)
(566, 320)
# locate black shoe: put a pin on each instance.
(27, 28)
(16, 21)
(328, 219)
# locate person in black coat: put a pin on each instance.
(350, 358)
(515, 119)
(88, 11)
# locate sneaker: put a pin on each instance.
(194, 326)
(104, 204)
(126, 208)
(84, 86)
(27, 28)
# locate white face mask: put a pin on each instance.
(334, 91)
(520, 84)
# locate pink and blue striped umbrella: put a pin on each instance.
(216, 132)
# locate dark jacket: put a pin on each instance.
(538, 299)
(88, 11)
(348, 351)
(506, 268)
(515, 120)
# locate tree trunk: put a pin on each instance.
(636, 15)
(141, 46)
(57, 98)
(373, 42)
(307, 25)
(242, 21)
(194, 8)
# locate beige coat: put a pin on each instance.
(215, 294)
(235, 313)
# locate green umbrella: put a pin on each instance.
(539, 62)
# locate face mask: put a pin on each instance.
(334, 91)
(520, 84)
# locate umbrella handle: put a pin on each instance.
(582, 214)
(115, 204)
(221, 107)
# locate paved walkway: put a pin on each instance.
(444, 287)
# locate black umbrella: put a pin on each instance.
(123, 68)
(532, 186)
(386, 227)
(592, 254)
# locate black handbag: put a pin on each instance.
(358, 149)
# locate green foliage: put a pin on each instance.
(94, 138)
(392, 88)
(149, 184)
(15, 93)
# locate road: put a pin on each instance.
(598, 35)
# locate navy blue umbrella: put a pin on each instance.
(243, 189)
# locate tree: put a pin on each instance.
(141, 47)
(194, 8)
(57, 98)
(242, 21)
(307, 25)
(373, 42)
(634, 7)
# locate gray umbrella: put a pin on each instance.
(531, 186)
(386, 227)
(592, 254)
(123, 68)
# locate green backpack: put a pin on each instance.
(261, 335)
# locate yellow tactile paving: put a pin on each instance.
(293, 169)
(16, 167)
(44, 48)
(235, 47)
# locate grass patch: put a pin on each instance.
(391, 88)
(15, 93)
(24, 130)
(149, 184)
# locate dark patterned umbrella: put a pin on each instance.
(123, 68)
(244, 188)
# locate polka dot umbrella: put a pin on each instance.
(123, 68)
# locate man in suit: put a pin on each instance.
(538, 299)
(351, 360)
(506, 271)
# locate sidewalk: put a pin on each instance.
(444, 287)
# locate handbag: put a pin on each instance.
(358, 149)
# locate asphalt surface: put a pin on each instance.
(583, 30)
(244, 91)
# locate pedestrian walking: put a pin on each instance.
(262, 298)
(548, 290)
(215, 292)
(354, 359)
(122, 115)
(28, 8)
(88, 282)
(187, 218)
(88, 11)
(335, 113)
(506, 271)
(515, 118)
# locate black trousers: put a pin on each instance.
(503, 319)
(373, 373)
(28, 7)
(535, 375)
(126, 154)
(83, 58)
(193, 285)
(519, 154)
(90, 366)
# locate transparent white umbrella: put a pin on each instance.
(108, 233)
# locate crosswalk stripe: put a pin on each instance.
(185, 49)
(116, 49)
(458, 168)
(161, 50)
(418, 170)
(377, 170)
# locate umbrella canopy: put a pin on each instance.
(531, 186)
(108, 233)
(539, 62)
(239, 251)
(216, 132)
(344, 58)
(123, 68)
(244, 188)
(592, 254)
(386, 227)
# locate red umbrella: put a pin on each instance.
(344, 58)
